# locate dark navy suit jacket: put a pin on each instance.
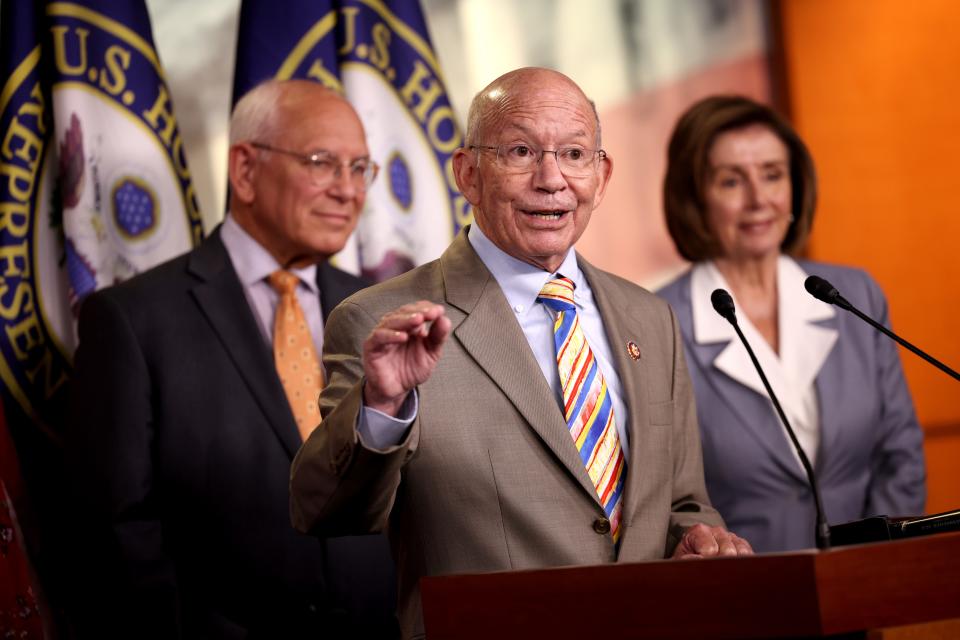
(870, 459)
(180, 443)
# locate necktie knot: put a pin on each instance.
(557, 294)
(283, 281)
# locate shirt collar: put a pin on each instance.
(252, 262)
(521, 282)
(796, 307)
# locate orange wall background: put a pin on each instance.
(873, 88)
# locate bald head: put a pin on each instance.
(532, 167)
(488, 107)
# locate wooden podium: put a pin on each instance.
(845, 590)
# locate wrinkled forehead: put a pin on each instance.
(753, 143)
(553, 108)
(322, 120)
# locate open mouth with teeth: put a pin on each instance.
(546, 214)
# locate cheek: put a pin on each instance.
(727, 207)
(718, 221)
(786, 201)
(360, 200)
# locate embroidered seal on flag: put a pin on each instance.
(94, 187)
(388, 71)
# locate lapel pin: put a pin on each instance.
(633, 350)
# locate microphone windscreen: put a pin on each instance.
(723, 304)
(821, 289)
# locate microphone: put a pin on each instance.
(723, 305)
(824, 291)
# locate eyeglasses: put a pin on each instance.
(574, 162)
(325, 167)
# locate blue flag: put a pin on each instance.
(94, 186)
(378, 54)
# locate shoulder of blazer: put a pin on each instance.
(335, 285)
(148, 290)
(854, 284)
(629, 294)
(677, 294)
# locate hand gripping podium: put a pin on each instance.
(847, 590)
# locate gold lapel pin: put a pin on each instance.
(633, 350)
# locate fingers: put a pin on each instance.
(743, 547)
(725, 544)
(439, 331)
(402, 350)
(701, 541)
(381, 338)
(730, 544)
(412, 319)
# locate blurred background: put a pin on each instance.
(869, 85)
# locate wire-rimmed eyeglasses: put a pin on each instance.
(325, 167)
(573, 161)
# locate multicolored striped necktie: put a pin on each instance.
(587, 406)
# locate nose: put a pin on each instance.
(548, 175)
(753, 192)
(343, 186)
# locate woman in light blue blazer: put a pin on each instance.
(739, 196)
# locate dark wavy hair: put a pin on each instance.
(688, 157)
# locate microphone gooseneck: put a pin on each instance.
(825, 292)
(723, 305)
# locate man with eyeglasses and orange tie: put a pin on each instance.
(197, 382)
(510, 406)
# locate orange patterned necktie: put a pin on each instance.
(587, 406)
(295, 354)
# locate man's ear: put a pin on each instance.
(604, 171)
(241, 171)
(467, 174)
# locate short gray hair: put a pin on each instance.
(253, 115)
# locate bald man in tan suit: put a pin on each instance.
(442, 418)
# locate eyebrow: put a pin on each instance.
(765, 163)
(526, 131)
(335, 155)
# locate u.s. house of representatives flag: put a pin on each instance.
(94, 186)
(378, 54)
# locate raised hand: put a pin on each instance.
(401, 352)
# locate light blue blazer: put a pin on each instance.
(870, 455)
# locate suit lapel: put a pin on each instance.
(754, 411)
(726, 366)
(222, 301)
(830, 393)
(492, 337)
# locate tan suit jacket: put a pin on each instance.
(488, 477)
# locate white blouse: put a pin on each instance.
(804, 346)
